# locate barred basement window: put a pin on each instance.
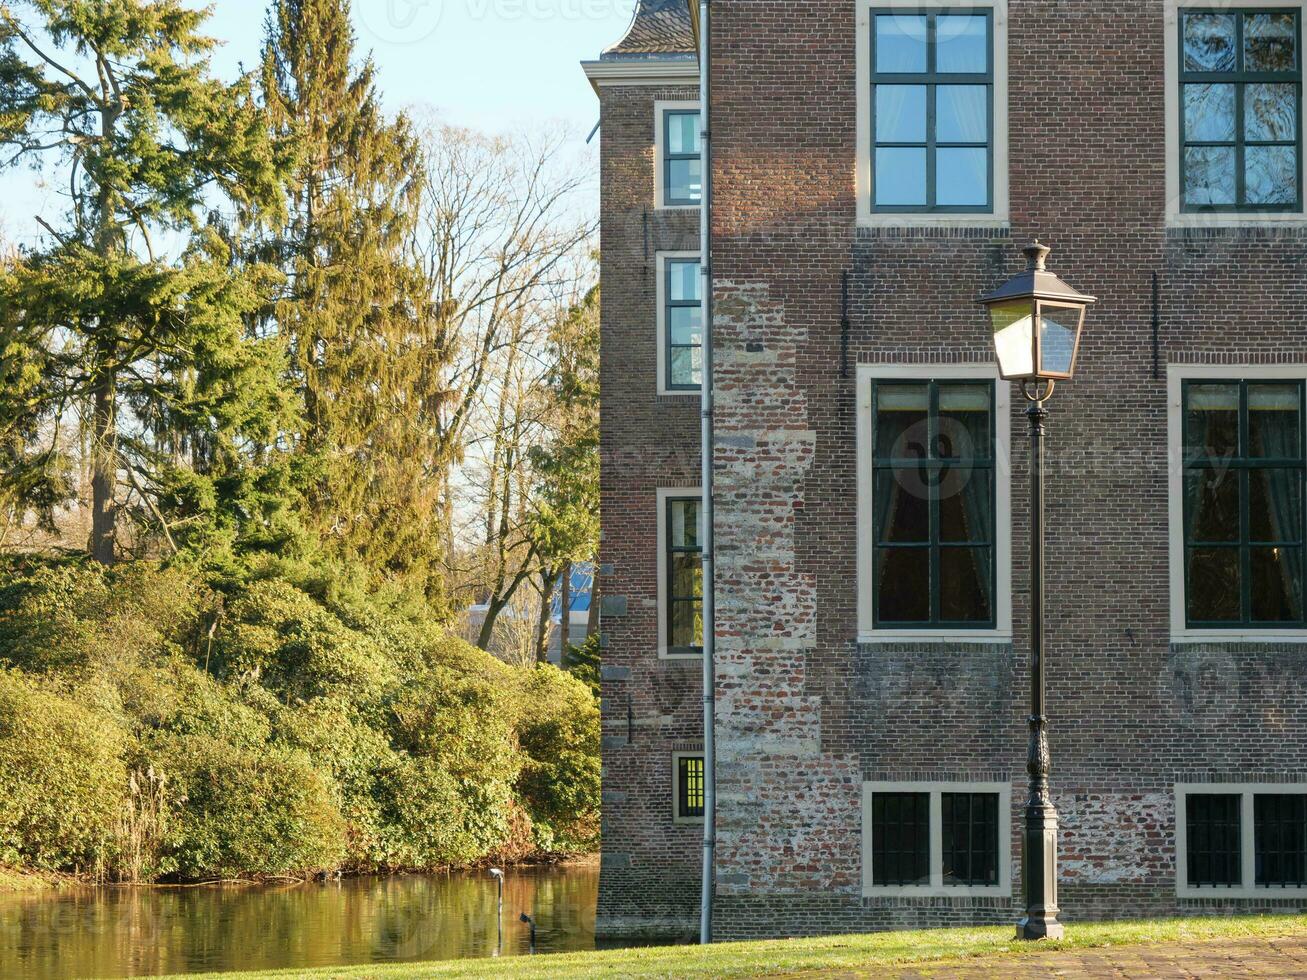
(936, 839)
(1213, 836)
(1240, 840)
(933, 492)
(1240, 98)
(689, 802)
(682, 164)
(1244, 475)
(932, 101)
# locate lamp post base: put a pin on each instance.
(1044, 927)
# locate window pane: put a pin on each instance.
(969, 824)
(901, 113)
(1273, 412)
(1057, 337)
(902, 501)
(1209, 113)
(900, 43)
(962, 114)
(965, 429)
(685, 367)
(1211, 506)
(1276, 584)
(686, 323)
(686, 628)
(1014, 335)
(1212, 420)
(964, 585)
(683, 281)
(1214, 585)
(1270, 112)
(965, 512)
(900, 839)
(683, 529)
(900, 177)
(684, 181)
(901, 417)
(686, 575)
(962, 177)
(1209, 42)
(1212, 839)
(962, 43)
(1271, 174)
(682, 132)
(1275, 506)
(903, 585)
(1280, 839)
(690, 777)
(1270, 42)
(1209, 175)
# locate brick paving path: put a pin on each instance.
(1282, 957)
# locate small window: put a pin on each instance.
(682, 324)
(1242, 841)
(1244, 474)
(1240, 105)
(932, 106)
(933, 500)
(942, 838)
(684, 585)
(682, 176)
(689, 789)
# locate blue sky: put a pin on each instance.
(489, 64)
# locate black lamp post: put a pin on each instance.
(1037, 320)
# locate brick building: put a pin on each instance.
(877, 167)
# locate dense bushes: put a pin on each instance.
(154, 725)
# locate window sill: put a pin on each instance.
(908, 219)
(664, 393)
(929, 891)
(931, 637)
(1236, 219)
(1245, 894)
(672, 655)
(1227, 637)
(678, 207)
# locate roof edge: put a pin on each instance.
(677, 70)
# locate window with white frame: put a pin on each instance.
(1241, 840)
(680, 574)
(936, 838)
(680, 323)
(679, 167)
(934, 543)
(687, 787)
(1238, 501)
(932, 113)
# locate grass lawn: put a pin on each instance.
(842, 954)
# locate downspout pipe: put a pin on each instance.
(706, 452)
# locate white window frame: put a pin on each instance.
(937, 888)
(1247, 841)
(660, 295)
(869, 218)
(665, 494)
(1176, 216)
(677, 819)
(1176, 374)
(661, 106)
(866, 533)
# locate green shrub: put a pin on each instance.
(62, 779)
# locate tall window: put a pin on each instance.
(682, 174)
(689, 788)
(1241, 89)
(682, 324)
(684, 587)
(1243, 840)
(938, 838)
(933, 501)
(1244, 473)
(932, 102)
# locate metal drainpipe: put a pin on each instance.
(706, 452)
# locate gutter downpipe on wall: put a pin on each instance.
(706, 453)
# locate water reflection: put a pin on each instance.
(121, 932)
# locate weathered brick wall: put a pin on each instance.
(649, 879)
(806, 714)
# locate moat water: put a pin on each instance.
(138, 932)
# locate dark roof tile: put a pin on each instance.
(659, 27)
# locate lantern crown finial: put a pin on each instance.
(1037, 256)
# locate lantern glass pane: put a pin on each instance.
(1058, 328)
(1014, 337)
